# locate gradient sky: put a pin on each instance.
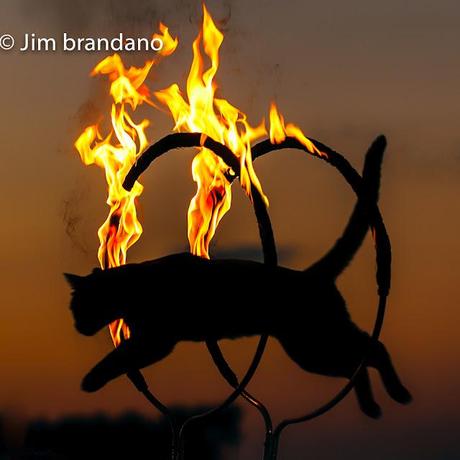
(345, 72)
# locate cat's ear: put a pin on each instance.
(75, 281)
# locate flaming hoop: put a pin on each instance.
(225, 141)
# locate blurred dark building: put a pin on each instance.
(130, 436)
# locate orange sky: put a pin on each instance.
(344, 72)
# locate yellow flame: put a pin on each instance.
(116, 153)
(202, 112)
(169, 43)
(279, 130)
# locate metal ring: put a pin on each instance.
(383, 257)
(383, 248)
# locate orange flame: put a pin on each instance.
(217, 118)
(116, 153)
(199, 111)
(279, 130)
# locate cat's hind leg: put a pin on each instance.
(342, 361)
(380, 359)
(364, 395)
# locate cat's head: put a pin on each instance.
(93, 304)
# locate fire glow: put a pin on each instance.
(196, 110)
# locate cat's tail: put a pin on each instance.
(344, 249)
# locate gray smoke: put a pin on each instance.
(134, 17)
(82, 16)
(71, 217)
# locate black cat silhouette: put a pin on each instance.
(182, 297)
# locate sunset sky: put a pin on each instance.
(343, 71)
